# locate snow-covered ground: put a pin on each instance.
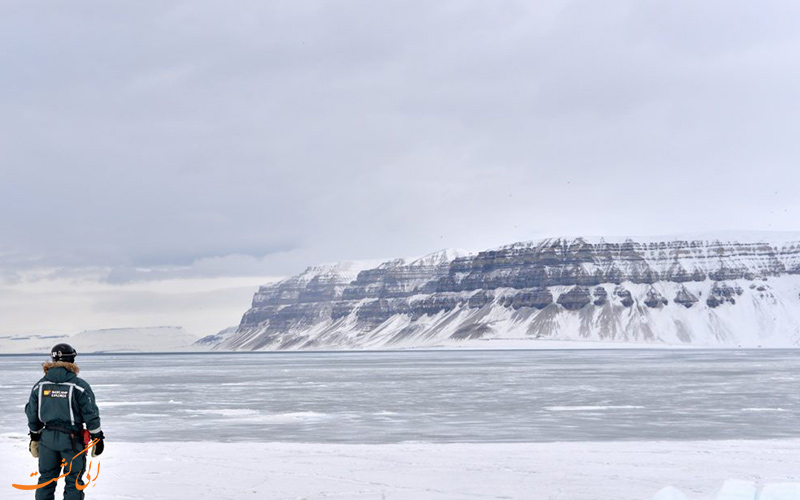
(423, 471)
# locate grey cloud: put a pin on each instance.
(168, 135)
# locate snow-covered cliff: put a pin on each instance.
(711, 291)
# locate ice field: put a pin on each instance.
(567, 425)
(435, 396)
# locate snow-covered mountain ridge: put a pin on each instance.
(716, 292)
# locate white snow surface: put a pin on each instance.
(345, 270)
(424, 471)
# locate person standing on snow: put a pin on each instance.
(59, 406)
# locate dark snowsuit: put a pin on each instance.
(58, 407)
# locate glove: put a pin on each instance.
(33, 447)
(98, 447)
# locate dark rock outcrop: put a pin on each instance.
(600, 296)
(685, 298)
(480, 299)
(377, 311)
(575, 299)
(434, 304)
(722, 293)
(655, 299)
(539, 298)
(624, 295)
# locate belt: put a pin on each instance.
(76, 436)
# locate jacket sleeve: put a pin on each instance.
(89, 409)
(32, 411)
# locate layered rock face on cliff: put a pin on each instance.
(681, 291)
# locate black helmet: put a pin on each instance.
(63, 352)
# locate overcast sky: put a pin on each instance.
(159, 159)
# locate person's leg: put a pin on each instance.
(71, 492)
(49, 468)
